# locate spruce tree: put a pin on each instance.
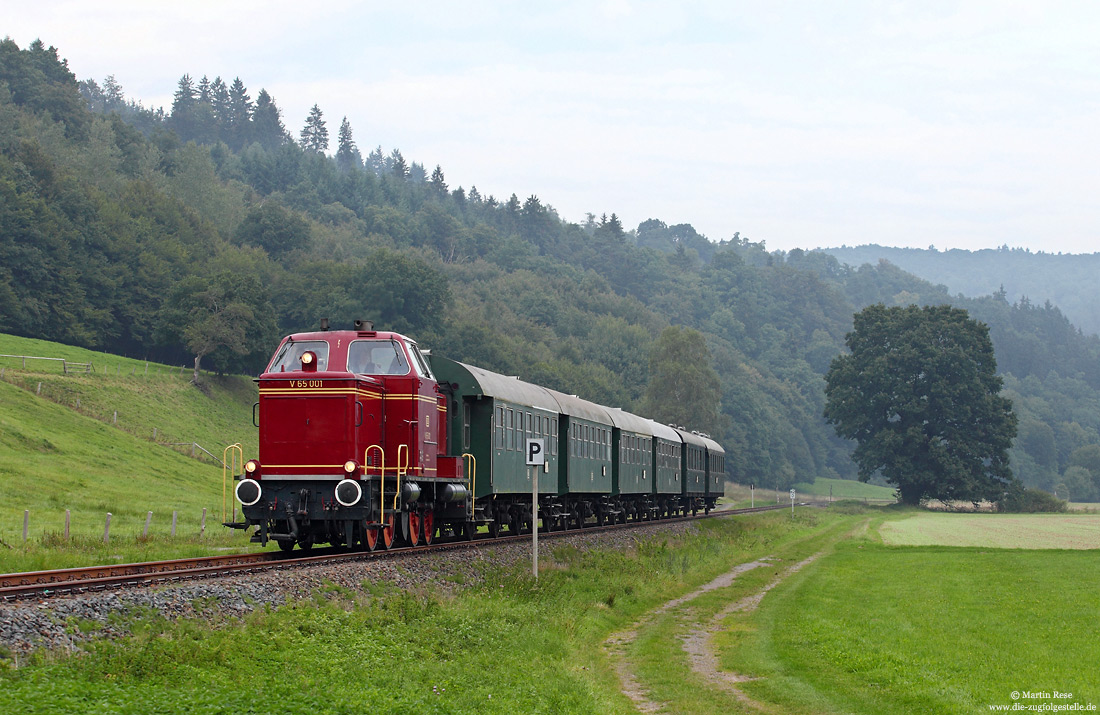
(314, 134)
(347, 154)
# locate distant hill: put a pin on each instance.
(1067, 280)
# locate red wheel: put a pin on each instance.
(428, 521)
(414, 528)
(388, 533)
(370, 538)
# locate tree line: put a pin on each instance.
(204, 232)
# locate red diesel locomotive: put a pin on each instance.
(361, 443)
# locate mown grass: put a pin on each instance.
(845, 489)
(506, 645)
(56, 456)
(878, 629)
(1005, 531)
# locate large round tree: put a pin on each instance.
(920, 395)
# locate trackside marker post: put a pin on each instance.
(792, 502)
(536, 457)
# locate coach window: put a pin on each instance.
(466, 425)
(511, 422)
(500, 428)
(553, 435)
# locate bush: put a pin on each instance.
(1030, 501)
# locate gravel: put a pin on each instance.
(60, 623)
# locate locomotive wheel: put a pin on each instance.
(370, 538)
(387, 535)
(469, 529)
(306, 544)
(414, 528)
(427, 521)
(285, 545)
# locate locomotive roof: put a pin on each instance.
(576, 407)
(346, 335)
(499, 386)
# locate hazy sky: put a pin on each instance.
(801, 124)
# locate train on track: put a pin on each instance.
(367, 441)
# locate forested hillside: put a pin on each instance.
(1065, 280)
(208, 230)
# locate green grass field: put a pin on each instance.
(1002, 531)
(55, 455)
(845, 489)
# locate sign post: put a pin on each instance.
(752, 495)
(792, 502)
(536, 457)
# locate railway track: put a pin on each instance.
(73, 581)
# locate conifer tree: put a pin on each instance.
(438, 184)
(240, 114)
(398, 167)
(267, 122)
(347, 154)
(314, 134)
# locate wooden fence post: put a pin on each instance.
(39, 390)
(26, 523)
(148, 518)
(107, 529)
(202, 529)
(174, 515)
(68, 516)
(114, 420)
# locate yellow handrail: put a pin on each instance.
(473, 479)
(236, 451)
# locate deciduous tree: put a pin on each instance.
(920, 395)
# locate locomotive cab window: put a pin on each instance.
(377, 357)
(419, 363)
(289, 357)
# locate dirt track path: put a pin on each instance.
(697, 641)
(618, 643)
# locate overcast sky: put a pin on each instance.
(801, 124)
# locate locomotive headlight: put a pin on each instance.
(248, 492)
(348, 492)
(252, 469)
(307, 358)
(351, 468)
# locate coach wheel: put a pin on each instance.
(427, 526)
(578, 518)
(469, 529)
(387, 533)
(494, 527)
(513, 524)
(599, 518)
(414, 528)
(706, 509)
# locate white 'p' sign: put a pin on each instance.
(536, 452)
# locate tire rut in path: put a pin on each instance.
(617, 644)
(697, 643)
